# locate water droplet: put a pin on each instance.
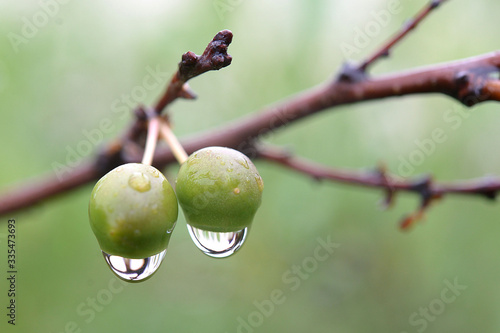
(244, 163)
(222, 163)
(236, 191)
(194, 160)
(139, 182)
(134, 270)
(155, 173)
(217, 244)
(260, 183)
(229, 169)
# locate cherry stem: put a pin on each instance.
(174, 144)
(151, 140)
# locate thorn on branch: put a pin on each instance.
(389, 197)
(410, 220)
(423, 187)
(186, 92)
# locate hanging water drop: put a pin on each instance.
(134, 270)
(217, 244)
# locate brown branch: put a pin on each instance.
(469, 81)
(32, 192)
(407, 27)
(358, 72)
(214, 57)
(424, 187)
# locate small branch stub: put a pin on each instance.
(214, 57)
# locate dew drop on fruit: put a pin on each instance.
(134, 270)
(260, 183)
(243, 163)
(139, 182)
(217, 244)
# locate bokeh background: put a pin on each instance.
(70, 71)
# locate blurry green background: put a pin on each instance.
(65, 79)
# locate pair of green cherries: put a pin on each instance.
(133, 209)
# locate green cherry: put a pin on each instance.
(132, 212)
(219, 190)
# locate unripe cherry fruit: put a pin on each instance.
(132, 211)
(219, 189)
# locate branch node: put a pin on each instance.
(351, 73)
(388, 199)
(435, 3)
(188, 64)
(140, 113)
(489, 190)
(109, 158)
(462, 78)
(408, 26)
(423, 187)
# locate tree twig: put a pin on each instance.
(425, 187)
(214, 57)
(407, 27)
(353, 72)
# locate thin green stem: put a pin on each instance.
(169, 137)
(151, 140)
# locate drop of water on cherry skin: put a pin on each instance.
(134, 270)
(217, 244)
